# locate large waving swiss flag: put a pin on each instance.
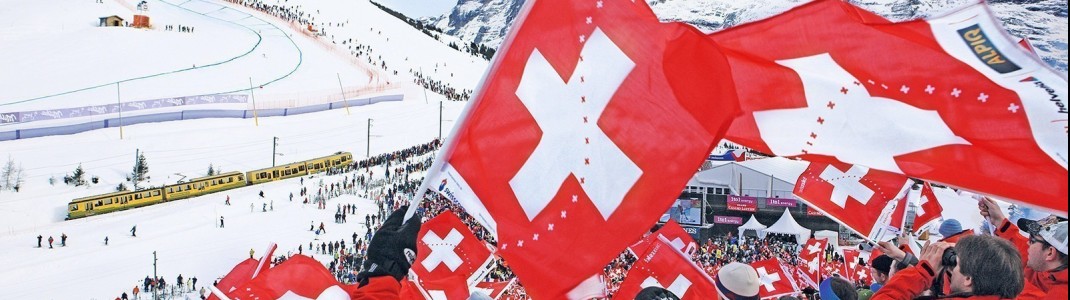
(591, 119)
(951, 99)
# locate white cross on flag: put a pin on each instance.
(773, 279)
(854, 195)
(582, 134)
(673, 233)
(446, 248)
(664, 266)
(929, 208)
(851, 264)
(813, 257)
(952, 99)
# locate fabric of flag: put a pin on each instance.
(446, 247)
(773, 279)
(590, 120)
(929, 208)
(813, 259)
(854, 195)
(673, 233)
(952, 99)
(664, 266)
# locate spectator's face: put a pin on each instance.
(1038, 252)
(960, 283)
(878, 277)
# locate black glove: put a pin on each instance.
(392, 249)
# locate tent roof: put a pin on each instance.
(787, 225)
(752, 224)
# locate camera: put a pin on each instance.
(950, 259)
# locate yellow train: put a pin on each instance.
(100, 204)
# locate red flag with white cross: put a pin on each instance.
(929, 208)
(952, 99)
(773, 279)
(813, 259)
(590, 121)
(664, 266)
(446, 247)
(858, 197)
(672, 232)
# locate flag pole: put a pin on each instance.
(450, 143)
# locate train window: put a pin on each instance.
(301, 168)
(137, 197)
(74, 207)
(109, 202)
(178, 188)
(89, 206)
(187, 187)
(156, 193)
(263, 175)
(229, 180)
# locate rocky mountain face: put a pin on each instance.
(1042, 22)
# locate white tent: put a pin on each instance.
(752, 224)
(831, 236)
(787, 225)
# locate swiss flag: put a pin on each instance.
(446, 247)
(952, 100)
(244, 272)
(446, 288)
(673, 233)
(773, 279)
(854, 195)
(813, 259)
(668, 268)
(495, 290)
(851, 263)
(929, 209)
(898, 218)
(298, 276)
(590, 121)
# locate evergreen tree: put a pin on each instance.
(77, 177)
(211, 170)
(140, 169)
(7, 176)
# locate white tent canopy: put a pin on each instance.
(787, 225)
(752, 224)
(831, 236)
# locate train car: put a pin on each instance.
(333, 161)
(276, 173)
(204, 185)
(99, 204)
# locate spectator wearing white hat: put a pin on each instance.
(737, 281)
(1044, 251)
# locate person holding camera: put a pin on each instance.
(1044, 251)
(977, 267)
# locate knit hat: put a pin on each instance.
(883, 263)
(950, 227)
(826, 290)
(737, 281)
(655, 293)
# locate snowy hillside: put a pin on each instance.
(1043, 22)
(55, 56)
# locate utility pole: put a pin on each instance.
(119, 100)
(343, 92)
(369, 151)
(439, 120)
(137, 164)
(154, 276)
(424, 88)
(274, 145)
(253, 97)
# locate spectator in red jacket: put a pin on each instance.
(980, 267)
(1044, 251)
